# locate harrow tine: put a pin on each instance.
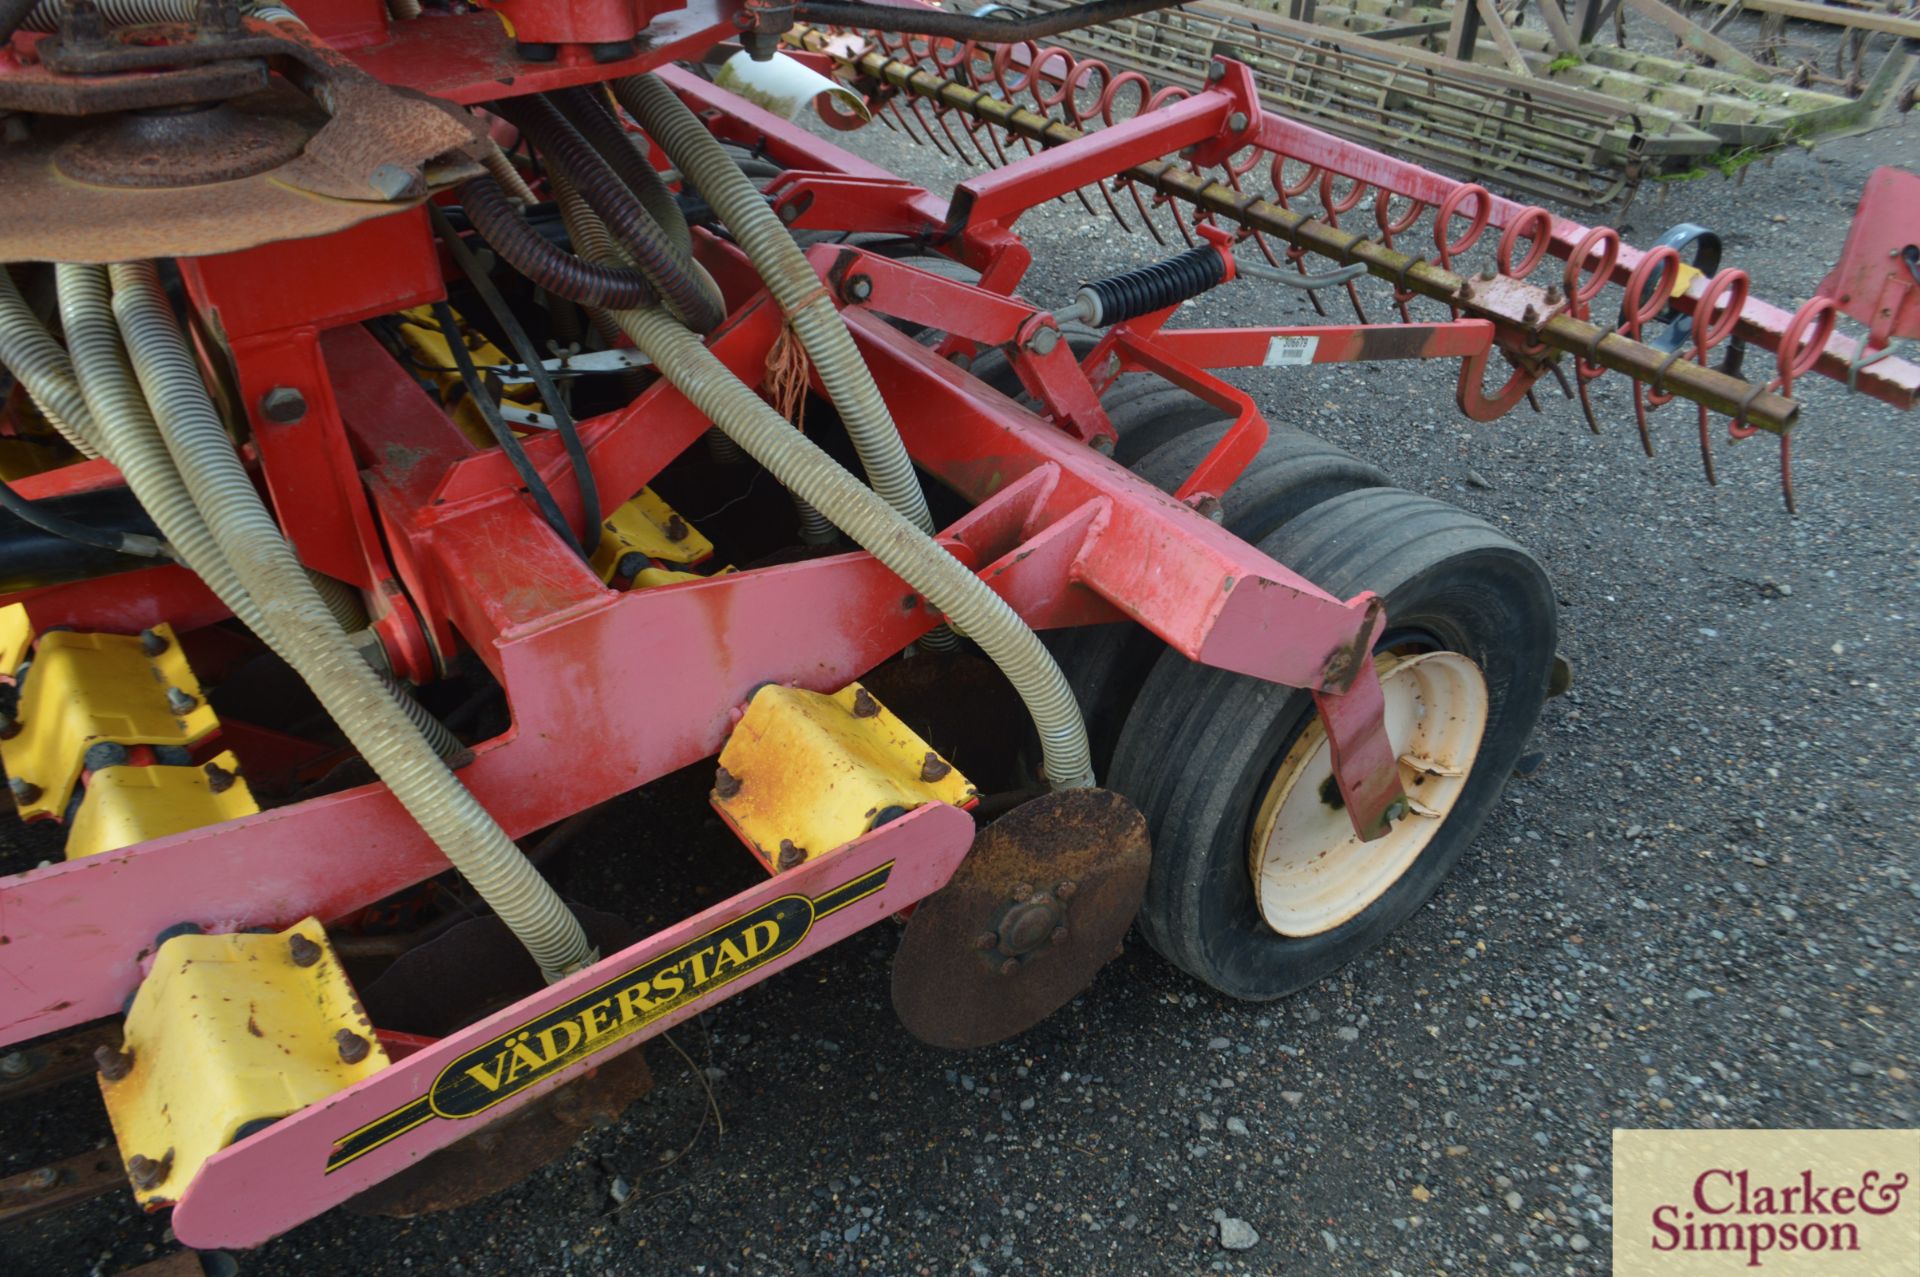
(1145, 216)
(928, 127)
(1586, 406)
(1360, 312)
(1706, 449)
(1114, 208)
(1786, 471)
(1640, 416)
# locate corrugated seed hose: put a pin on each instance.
(41, 367)
(48, 373)
(795, 286)
(210, 511)
(910, 553)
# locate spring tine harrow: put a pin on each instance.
(1048, 97)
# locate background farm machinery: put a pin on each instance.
(378, 497)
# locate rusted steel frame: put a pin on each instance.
(1712, 389)
(59, 1185)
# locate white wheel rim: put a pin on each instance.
(1310, 870)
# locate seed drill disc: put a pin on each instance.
(451, 981)
(1035, 910)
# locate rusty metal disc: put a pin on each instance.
(449, 982)
(191, 146)
(1035, 910)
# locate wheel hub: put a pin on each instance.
(1311, 873)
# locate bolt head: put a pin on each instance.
(986, 940)
(1044, 340)
(1102, 444)
(1022, 891)
(789, 213)
(1237, 122)
(181, 702)
(353, 1048)
(43, 1179)
(15, 1064)
(860, 287)
(1010, 966)
(302, 951)
(1066, 890)
(1059, 935)
(113, 1065)
(283, 404)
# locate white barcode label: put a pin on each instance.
(1284, 352)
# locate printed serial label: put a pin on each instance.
(1288, 352)
(591, 1022)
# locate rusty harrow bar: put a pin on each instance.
(1023, 98)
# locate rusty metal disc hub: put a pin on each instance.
(181, 146)
(1037, 908)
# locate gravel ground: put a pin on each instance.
(1699, 912)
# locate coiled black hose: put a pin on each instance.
(680, 289)
(588, 112)
(1154, 287)
(553, 268)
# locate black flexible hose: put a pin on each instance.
(588, 112)
(31, 512)
(959, 26)
(554, 269)
(502, 433)
(619, 207)
(530, 355)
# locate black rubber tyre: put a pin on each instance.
(1200, 746)
(1106, 664)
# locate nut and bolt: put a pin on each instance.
(1059, 935)
(1396, 809)
(632, 564)
(1044, 340)
(1216, 72)
(145, 1172)
(82, 26)
(1021, 891)
(112, 1065)
(677, 529)
(790, 855)
(933, 767)
(1010, 966)
(24, 791)
(15, 1064)
(986, 940)
(1065, 890)
(353, 1047)
(789, 213)
(181, 702)
(219, 779)
(725, 783)
(860, 287)
(302, 951)
(283, 404)
(1237, 122)
(1102, 444)
(1553, 294)
(864, 706)
(1530, 315)
(43, 1179)
(152, 642)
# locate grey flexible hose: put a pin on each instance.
(909, 552)
(794, 284)
(37, 360)
(502, 170)
(40, 366)
(592, 242)
(588, 111)
(316, 646)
